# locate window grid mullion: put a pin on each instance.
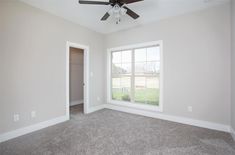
(132, 76)
(145, 73)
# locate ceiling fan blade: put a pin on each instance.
(94, 2)
(130, 1)
(105, 17)
(131, 13)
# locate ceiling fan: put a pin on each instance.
(118, 8)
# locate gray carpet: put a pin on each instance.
(108, 132)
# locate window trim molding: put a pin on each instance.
(158, 108)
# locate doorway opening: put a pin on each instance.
(77, 69)
(76, 81)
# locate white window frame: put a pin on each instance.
(158, 108)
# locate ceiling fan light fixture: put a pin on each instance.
(123, 11)
(117, 12)
(118, 9)
(110, 12)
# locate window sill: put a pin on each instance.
(137, 106)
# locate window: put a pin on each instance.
(135, 75)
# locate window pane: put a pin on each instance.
(140, 68)
(152, 82)
(152, 90)
(116, 82)
(122, 92)
(140, 84)
(117, 68)
(126, 68)
(153, 53)
(147, 90)
(121, 68)
(152, 96)
(126, 82)
(152, 67)
(126, 56)
(140, 95)
(116, 57)
(140, 55)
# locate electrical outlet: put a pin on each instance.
(33, 114)
(98, 98)
(190, 109)
(16, 117)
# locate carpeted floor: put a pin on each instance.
(109, 132)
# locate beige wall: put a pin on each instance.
(32, 64)
(196, 61)
(233, 65)
(76, 76)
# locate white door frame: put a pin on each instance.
(85, 76)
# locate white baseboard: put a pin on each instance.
(183, 120)
(77, 102)
(96, 108)
(233, 133)
(41, 125)
(32, 128)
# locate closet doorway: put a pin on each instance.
(76, 80)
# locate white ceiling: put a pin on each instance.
(149, 11)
